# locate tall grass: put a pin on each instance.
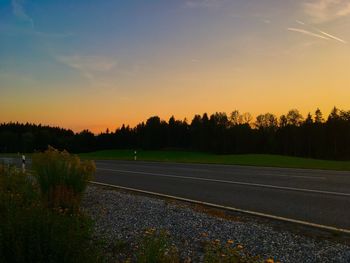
(155, 247)
(62, 177)
(30, 232)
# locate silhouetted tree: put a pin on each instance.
(219, 133)
(236, 118)
(294, 118)
(246, 118)
(318, 116)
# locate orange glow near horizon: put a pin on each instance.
(186, 60)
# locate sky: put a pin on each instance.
(84, 64)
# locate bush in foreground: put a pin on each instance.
(30, 232)
(62, 177)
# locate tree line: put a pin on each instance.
(291, 134)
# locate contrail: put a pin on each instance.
(332, 37)
(329, 36)
(305, 32)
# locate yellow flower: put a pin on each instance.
(230, 241)
(270, 260)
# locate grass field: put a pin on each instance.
(242, 159)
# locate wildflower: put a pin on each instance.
(230, 241)
(270, 260)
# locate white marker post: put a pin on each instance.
(135, 155)
(23, 163)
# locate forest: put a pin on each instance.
(312, 136)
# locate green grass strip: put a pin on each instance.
(233, 159)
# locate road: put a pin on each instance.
(315, 196)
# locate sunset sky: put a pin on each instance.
(97, 64)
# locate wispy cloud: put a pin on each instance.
(21, 14)
(19, 11)
(88, 66)
(317, 32)
(345, 11)
(306, 32)
(321, 11)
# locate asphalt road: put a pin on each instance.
(315, 196)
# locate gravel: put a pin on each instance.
(124, 216)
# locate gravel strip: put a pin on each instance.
(123, 216)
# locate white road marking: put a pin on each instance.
(295, 176)
(230, 182)
(330, 172)
(285, 219)
(173, 167)
(233, 174)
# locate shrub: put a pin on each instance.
(62, 177)
(215, 252)
(29, 232)
(155, 247)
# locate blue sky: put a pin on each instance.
(97, 64)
